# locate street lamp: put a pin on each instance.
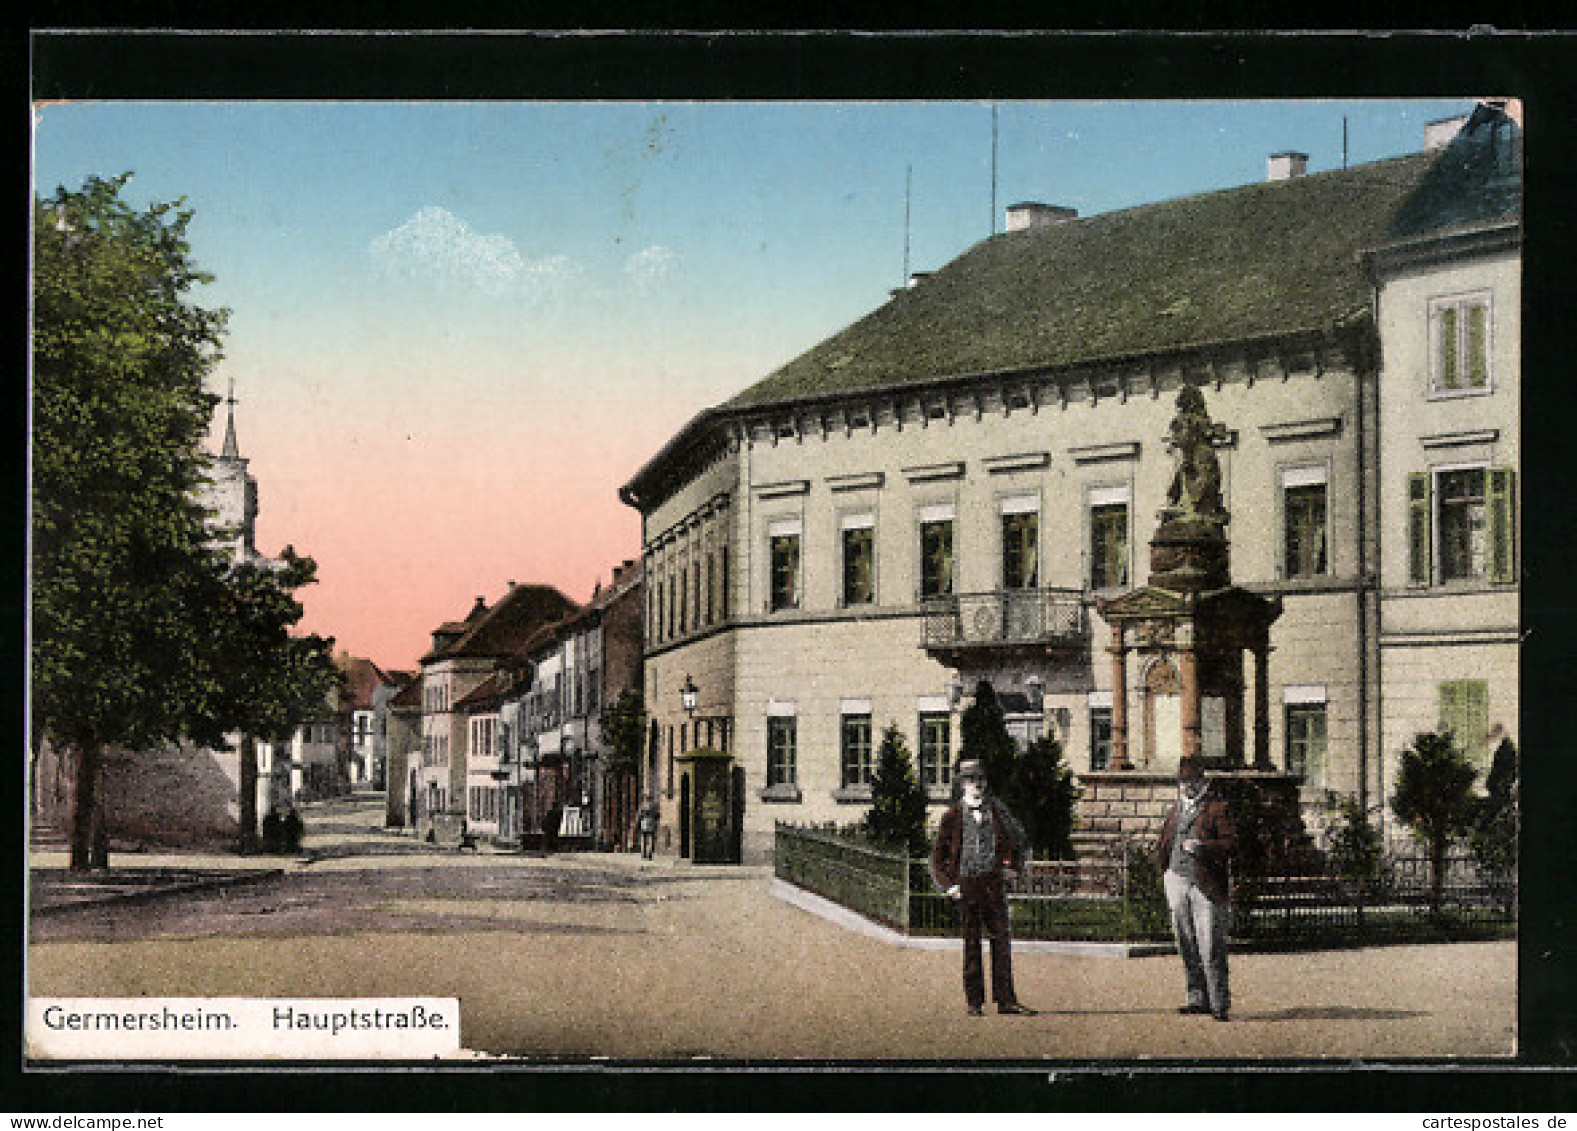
(687, 696)
(955, 690)
(1036, 687)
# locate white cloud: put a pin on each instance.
(437, 244)
(651, 265)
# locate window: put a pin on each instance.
(859, 560)
(936, 553)
(856, 747)
(785, 568)
(1464, 711)
(1108, 538)
(1459, 345)
(723, 595)
(1100, 737)
(1025, 730)
(1461, 513)
(1304, 524)
(1020, 539)
(684, 598)
(711, 587)
(936, 753)
(781, 739)
(1462, 525)
(1306, 741)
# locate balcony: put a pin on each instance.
(1036, 621)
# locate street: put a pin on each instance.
(609, 956)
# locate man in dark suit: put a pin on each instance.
(980, 846)
(1195, 855)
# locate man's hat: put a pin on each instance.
(971, 768)
(1190, 767)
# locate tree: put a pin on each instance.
(1494, 837)
(1355, 850)
(1434, 799)
(136, 611)
(984, 736)
(624, 728)
(897, 816)
(271, 678)
(1041, 793)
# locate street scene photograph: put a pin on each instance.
(663, 582)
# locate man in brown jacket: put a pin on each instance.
(979, 847)
(1195, 855)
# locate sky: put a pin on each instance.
(457, 328)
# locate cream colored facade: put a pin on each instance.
(750, 512)
(442, 775)
(1057, 447)
(1446, 636)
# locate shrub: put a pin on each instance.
(1355, 849)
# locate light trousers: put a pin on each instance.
(1200, 926)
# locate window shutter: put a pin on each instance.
(1448, 348)
(1502, 525)
(1418, 533)
(1478, 345)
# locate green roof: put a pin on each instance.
(1266, 260)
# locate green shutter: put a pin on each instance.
(1502, 525)
(1478, 345)
(1448, 347)
(1418, 534)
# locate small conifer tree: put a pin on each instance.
(1041, 793)
(897, 816)
(1434, 799)
(1355, 850)
(1494, 837)
(985, 738)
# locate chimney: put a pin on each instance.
(1286, 165)
(1438, 134)
(1033, 214)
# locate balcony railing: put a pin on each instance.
(1006, 617)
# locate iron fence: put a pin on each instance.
(1117, 896)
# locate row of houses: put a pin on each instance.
(508, 730)
(954, 487)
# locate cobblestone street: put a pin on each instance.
(604, 955)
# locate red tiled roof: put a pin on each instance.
(505, 628)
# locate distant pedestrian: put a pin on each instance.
(646, 825)
(979, 848)
(550, 827)
(1195, 853)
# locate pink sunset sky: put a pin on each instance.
(457, 328)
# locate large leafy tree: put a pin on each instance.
(270, 678)
(1434, 798)
(143, 630)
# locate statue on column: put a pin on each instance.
(1196, 484)
(1189, 550)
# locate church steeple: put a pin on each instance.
(231, 449)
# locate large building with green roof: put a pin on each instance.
(939, 493)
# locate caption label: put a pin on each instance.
(242, 1028)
